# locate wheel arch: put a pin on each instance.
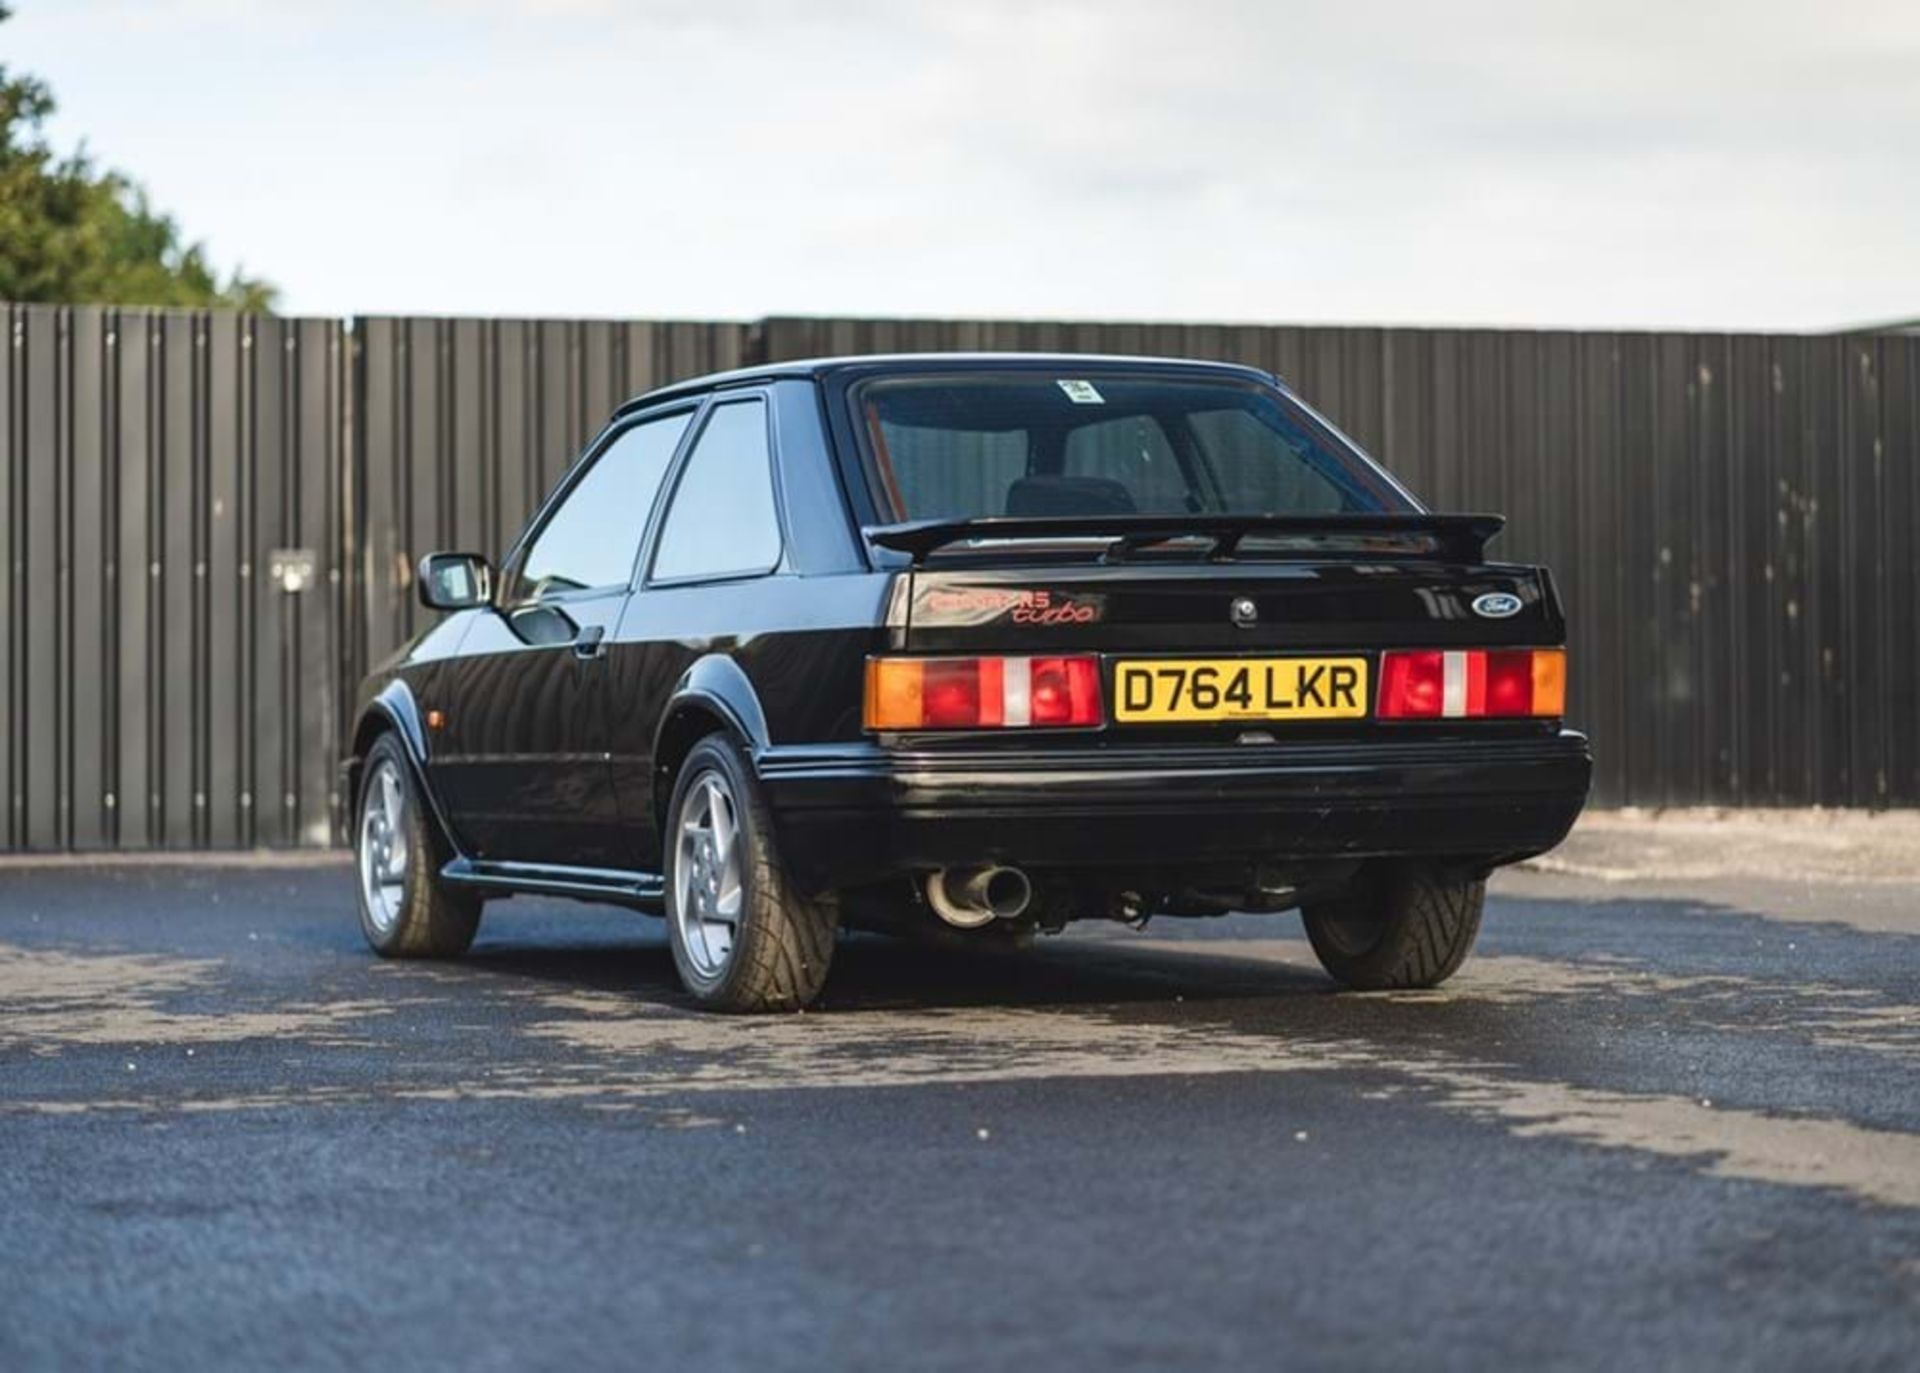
(712, 696)
(394, 710)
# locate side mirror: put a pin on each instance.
(454, 581)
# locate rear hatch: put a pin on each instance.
(1285, 620)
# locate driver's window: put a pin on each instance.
(592, 539)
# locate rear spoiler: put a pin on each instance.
(1457, 538)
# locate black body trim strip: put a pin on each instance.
(646, 890)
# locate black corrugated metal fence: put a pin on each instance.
(210, 521)
(161, 689)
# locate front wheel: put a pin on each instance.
(1398, 928)
(406, 911)
(744, 939)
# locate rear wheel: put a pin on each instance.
(406, 911)
(1398, 927)
(744, 939)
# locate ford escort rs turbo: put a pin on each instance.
(980, 645)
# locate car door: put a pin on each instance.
(719, 536)
(521, 758)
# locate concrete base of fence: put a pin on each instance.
(1750, 845)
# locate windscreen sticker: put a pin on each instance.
(1082, 393)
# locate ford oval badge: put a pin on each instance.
(1497, 605)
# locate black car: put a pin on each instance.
(970, 643)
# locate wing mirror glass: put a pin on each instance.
(454, 581)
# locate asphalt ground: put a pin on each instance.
(1652, 1124)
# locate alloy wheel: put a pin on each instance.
(383, 845)
(707, 895)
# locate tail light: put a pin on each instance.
(983, 693)
(1473, 684)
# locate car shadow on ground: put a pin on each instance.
(875, 972)
(1241, 959)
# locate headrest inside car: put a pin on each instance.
(1034, 496)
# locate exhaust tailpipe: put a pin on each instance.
(967, 898)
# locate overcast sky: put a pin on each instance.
(1603, 163)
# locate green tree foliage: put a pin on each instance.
(70, 232)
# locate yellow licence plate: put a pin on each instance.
(1188, 689)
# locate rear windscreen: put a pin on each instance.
(965, 447)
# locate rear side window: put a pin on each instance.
(982, 445)
(722, 521)
(592, 539)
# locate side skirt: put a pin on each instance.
(645, 891)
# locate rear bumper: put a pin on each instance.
(852, 813)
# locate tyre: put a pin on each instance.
(406, 911)
(1399, 927)
(743, 937)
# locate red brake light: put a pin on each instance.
(1064, 691)
(983, 693)
(1509, 683)
(1411, 685)
(1473, 684)
(950, 694)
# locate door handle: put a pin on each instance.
(588, 644)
